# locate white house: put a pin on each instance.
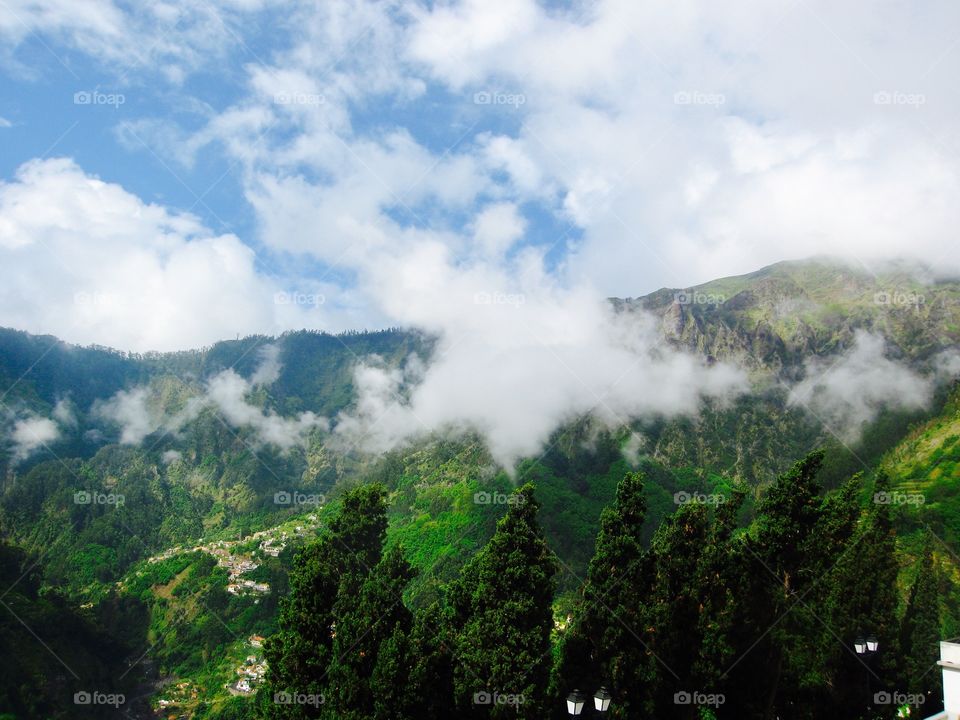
(950, 666)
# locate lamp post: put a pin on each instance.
(576, 701)
(867, 647)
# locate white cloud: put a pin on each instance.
(174, 37)
(63, 413)
(89, 262)
(4, 123)
(138, 411)
(227, 392)
(270, 366)
(497, 228)
(132, 411)
(517, 356)
(31, 433)
(848, 392)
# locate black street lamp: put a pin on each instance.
(601, 700)
(576, 700)
(867, 647)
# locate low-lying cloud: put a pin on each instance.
(849, 392)
(515, 372)
(139, 415)
(30, 434)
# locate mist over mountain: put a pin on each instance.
(840, 343)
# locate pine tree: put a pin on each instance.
(863, 601)
(502, 603)
(604, 643)
(672, 607)
(920, 634)
(300, 653)
(772, 626)
(371, 637)
(719, 577)
(432, 640)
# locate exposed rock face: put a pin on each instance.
(776, 318)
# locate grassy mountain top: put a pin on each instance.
(779, 316)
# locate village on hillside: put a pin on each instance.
(272, 542)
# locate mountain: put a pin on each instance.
(146, 483)
(778, 317)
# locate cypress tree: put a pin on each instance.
(920, 636)
(502, 603)
(371, 638)
(603, 643)
(300, 653)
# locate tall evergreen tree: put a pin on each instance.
(502, 603)
(863, 601)
(432, 642)
(920, 633)
(371, 639)
(772, 626)
(605, 640)
(672, 608)
(335, 565)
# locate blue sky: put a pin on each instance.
(392, 160)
